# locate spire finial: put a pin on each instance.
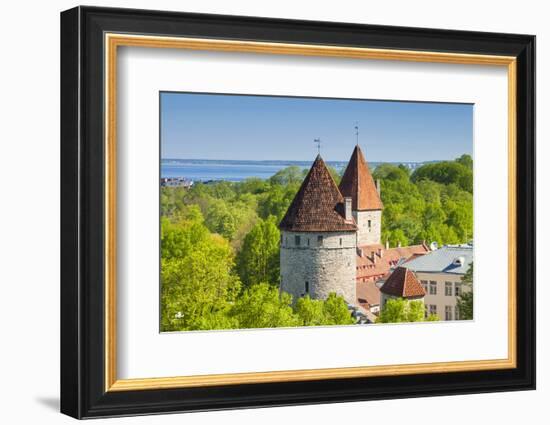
(318, 141)
(356, 133)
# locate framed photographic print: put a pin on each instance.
(261, 212)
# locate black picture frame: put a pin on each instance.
(82, 219)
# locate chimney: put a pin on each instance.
(378, 186)
(347, 209)
(387, 244)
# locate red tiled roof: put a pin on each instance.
(371, 266)
(318, 206)
(403, 283)
(358, 184)
(368, 294)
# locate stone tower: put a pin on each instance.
(357, 183)
(318, 240)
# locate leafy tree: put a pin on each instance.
(310, 312)
(261, 306)
(289, 175)
(258, 259)
(465, 301)
(466, 160)
(197, 283)
(398, 310)
(336, 311)
(446, 172)
(276, 201)
(391, 172)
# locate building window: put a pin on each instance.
(433, 309)
(281, 239)
(369, 223)
(307, 287)
(297, 240)
(433, 287)
(448, 312)
(448, 289)
(340, 241)
(424, 284)
(457, 289)
(307, 241)
(319, 240)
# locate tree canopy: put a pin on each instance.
(465, 301)
(220, 243)
(399, 310)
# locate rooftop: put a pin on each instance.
(455, 259)
(318, 206)
(403, 283)
(358, 184)
(371, 265)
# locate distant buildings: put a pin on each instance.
(176, 182)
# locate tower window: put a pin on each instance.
(297, 240)
(340, 241)
(369, 223)
(307, 287)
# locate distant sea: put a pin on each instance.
(236, 170)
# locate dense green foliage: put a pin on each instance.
(430, 205)
(220, 243)
(465, 302)
(399, 310)
(202, 288)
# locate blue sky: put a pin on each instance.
(209, 126)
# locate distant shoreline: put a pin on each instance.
(289, 162)
(209, 170)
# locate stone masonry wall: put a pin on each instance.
(366, 235)
(328, 265)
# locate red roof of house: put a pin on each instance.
(368, 294)
(318, 206)
(403, 283)
(373, 266)
(358, 184)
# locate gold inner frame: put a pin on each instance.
(113, 41)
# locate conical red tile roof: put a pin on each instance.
(318, 206)
(403, 283)
(358, 184)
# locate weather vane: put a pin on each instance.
(318, 141)
(356, 133)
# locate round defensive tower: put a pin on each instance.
(357, 183)
(318, 240)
